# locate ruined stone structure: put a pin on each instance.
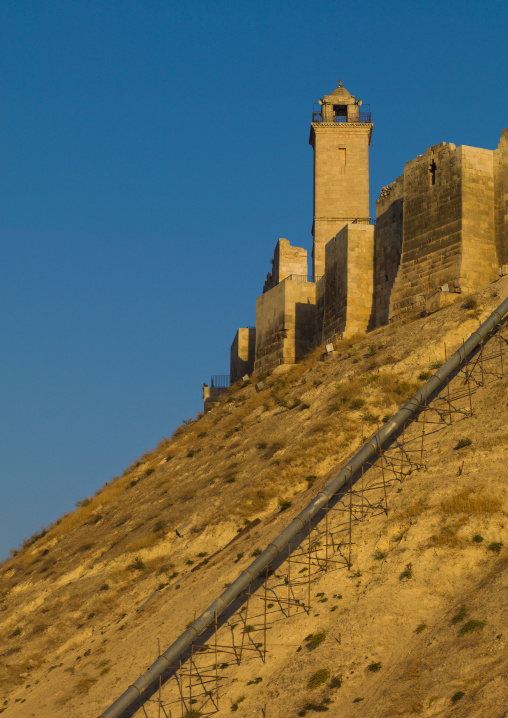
(243, 352)
(441, 229)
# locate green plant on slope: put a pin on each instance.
(462, 443)
(495, 546)
(314, 640)
(406, 573)
(318, 678)
(460, 615)
(472, 625)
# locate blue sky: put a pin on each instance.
(151, 154)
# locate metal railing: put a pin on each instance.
(362, 117)
(304, 278)
(220, 381)
(349, 220)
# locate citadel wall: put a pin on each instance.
(501, 198)
(387, 247)
(349, 282)
(288, 260)
(442, 229)
(285, 323)
(243, 353)
(448, 237)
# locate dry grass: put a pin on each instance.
(448, 535)
(412, 511)
(395, 389)
(84, 684)
(497, 441)
(471, 501)
(142, 542)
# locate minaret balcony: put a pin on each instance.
(360, 117)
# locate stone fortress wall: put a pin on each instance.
(441, 230)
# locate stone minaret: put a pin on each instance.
(340, 136)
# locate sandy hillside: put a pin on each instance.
(415, 625)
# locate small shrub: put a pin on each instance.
(317, 707)
(231, 480)
(315, 639)
(424, 375)
(262, 445)
(159, 526)
(318, 678)
(357, 404)
(239, 556)
(477, 538)
(336, 682)
(234, 706)
(379, 555)
(470, 303)
(104, 587)
(201, 434)
(471, 626)
(202, 554)
(138, 564)
(460, 615)
(149, 472)
(374, 667)
(357, 700)
(457, 696)
(256, 552)
(284, 505)
(370, 418)
(249, 629)
(421, 627)
(495, 546)
(83, 502)
(255, 681)
(406, 573)
(462, 443)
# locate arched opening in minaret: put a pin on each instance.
(340, 113)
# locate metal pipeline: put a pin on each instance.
(372, 446)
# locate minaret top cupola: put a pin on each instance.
(340, 106)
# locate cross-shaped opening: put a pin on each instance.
(432, 170)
